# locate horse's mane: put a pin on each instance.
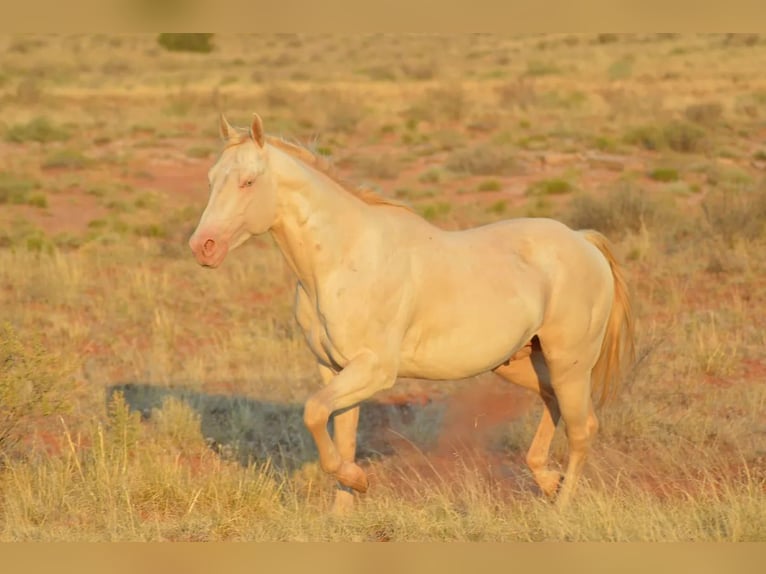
(324, 166)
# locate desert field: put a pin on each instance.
(145, 398)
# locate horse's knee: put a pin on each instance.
(315, 414)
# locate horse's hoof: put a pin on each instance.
(344, 502)
(549, 482)
(349, 474)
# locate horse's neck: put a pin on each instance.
(316, 220)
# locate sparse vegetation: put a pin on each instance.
(483, 160)
(15, 188)
(664, 174)
(186, 42)
(142, 398)
(550, 187)
(626, 208)
(677, 135)
(39, 129)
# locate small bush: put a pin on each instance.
(431, 176)
(433, 211)
(620, 69)
(39, 129)
(490, 185)
(607, 38)
(664, 174)
(647, 136)
(15, 188)
(65, 159)
(37, 200)
(498, 208)
(707, 113)
(33, 385)
(483, 160)
(200, 43)
(680, 136)
(684, 137)
(550, 187)
(539, 68)
(625, 208)
(736, 213)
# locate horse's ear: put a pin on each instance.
(226, 131)
(256, 130)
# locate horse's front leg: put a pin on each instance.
(361, 378)
(344, 436)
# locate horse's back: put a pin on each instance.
(486, 291)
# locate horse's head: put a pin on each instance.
(242, 198)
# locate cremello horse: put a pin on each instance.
(383, 293)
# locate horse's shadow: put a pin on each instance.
(255, 431)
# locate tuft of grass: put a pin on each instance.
(624, 209)
(738, 213)
(685, 137)
(150, 230)
(554, 186)
(620, 69)
(39, 129)
(664, 174)
(433, 211)
(489, 185)
(34, 385)
(498, 207)
(200, 43)
(678, 135)
(431, 176)
(484, 159)
(66, 159)
(37, 200)
(15, 188)
(536, 68)
(706, 113)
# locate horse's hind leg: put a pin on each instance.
(576, 406)
(571, 382)
(531, 372)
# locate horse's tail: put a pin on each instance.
(618, 347)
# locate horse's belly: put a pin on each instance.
(462, 353)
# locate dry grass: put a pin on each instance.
(145, 398)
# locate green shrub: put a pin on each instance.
(678, 135)
(435, 210)
(39, 129)
(15, 188)
(65, 159)
(483, 160)
(201, 43)
(707, 113)
(33, 384)
(624, 208)
(554, 186)
(490, 185)
(684, 137)
(664, 174)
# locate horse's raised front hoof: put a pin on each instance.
(549, 482)
(349, 474)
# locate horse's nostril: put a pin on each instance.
(208, 247)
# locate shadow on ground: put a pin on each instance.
(255, 430)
